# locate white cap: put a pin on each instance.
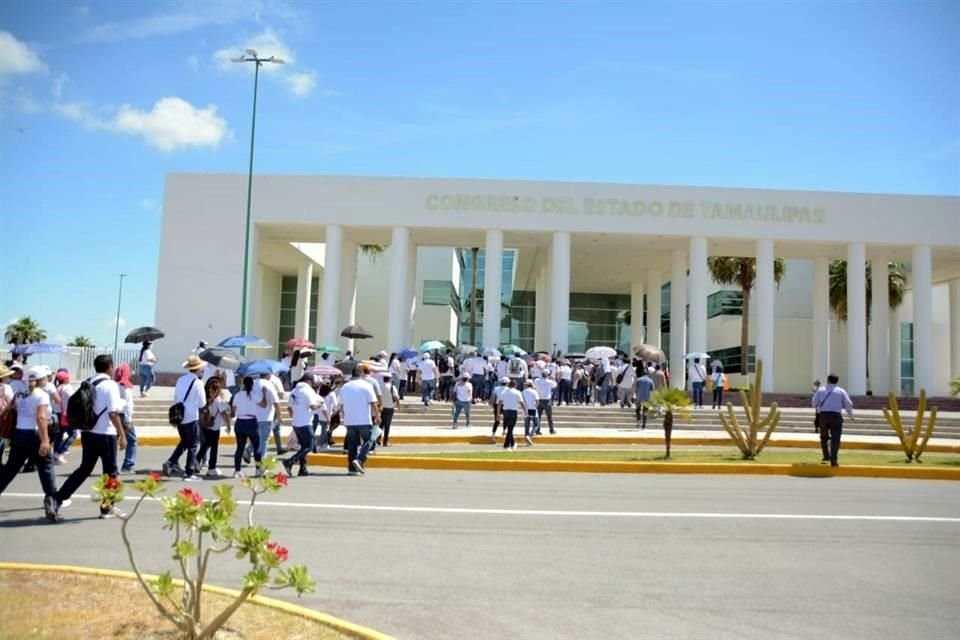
(38, 372)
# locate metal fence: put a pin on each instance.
(79, 361)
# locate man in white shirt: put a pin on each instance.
(360, 411)
(277, 415)
(462, 399)
(476, 367)
(501, 369)
(545, 387)
(389, 403)
(268, 406)
(565, 394)
(626, 376)
(445, 365)
(530, 422)
(428, 378)
(604, 381)
(99, 442)
(511, 402)
(517, 371)
(697, 374)
(190, 392)
(302, 403)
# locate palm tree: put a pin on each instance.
(473, 294)
(24, 331)
(81, 341)
(671, 401)
(896, 288)
(372, 251)
(742, 272)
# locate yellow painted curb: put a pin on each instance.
(172, 440)
(349, 628)
(582, 466)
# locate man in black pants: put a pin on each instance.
(830, 401)
(511, 401)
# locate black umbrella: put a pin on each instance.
(348, 367)
(143, 334)
(356, 331)
(220, 357)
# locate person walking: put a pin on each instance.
(545, 386)
(244, 406)
(277, 416)
(212, 422)
(189, 392)
(697, 375)
(829, 402)
(517, 371)
(122, 377)
(626, 376)
(605, 384)
(720, 383)
(530, 422)
(476, 367)
(565, 384)
(31, 441)
(428, 378)
(445, 365)
(389, 403)
(643, 390)
(360, 412)
(462, 399)
(67, 434)
(99, 442)
(511, 400)
(323, 416)
(145, 364)
(301, 405)
(498, 389)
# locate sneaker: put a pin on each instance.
(127, 472)
(529, 440)
(214, 473)
(66, 503)
(112, 513)
(553, 432)
(358, 466)
(192, 478)
(288, 467)
(203, 467)
(50, 507)
(171, 469)
(513, 447)
(60, 459)
(238, 475)
(303, 473)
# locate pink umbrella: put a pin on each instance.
(298, 343)
(323, 370)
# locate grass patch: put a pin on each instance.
(729, 455)
(33, 603)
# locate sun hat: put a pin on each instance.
(194, 363)
(5, 372)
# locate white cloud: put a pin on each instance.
(266, 44)
(172, 123)
(155, 25)
(57, 87)
(301, 84)
(17, 58)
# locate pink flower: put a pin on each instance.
(155, 476)
(111, 483)
(281, 479)
(277, 550)
(192, 496)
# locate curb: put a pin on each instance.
(577, 466)
(349, 628)
(172, 441)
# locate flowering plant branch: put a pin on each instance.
(203, 528)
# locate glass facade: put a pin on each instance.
(906, 358)
(598, 319)
(288, 311)
(441, 293)
(465, 256)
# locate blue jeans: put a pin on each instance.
(25, 445)
(458, 407)
(305, 439)
(189, 442)
(130, 454)
(479, 386)
(68, 437)
(698, 393)
(359, 441)
(96, 446)
(426, 391)
(146, 377)
(263, 430)
(246, 429)
(530, 423)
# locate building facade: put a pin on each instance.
(572, 265)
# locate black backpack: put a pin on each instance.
(444, 365)
(80, 413)
(175, 414)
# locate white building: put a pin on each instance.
(567, 261)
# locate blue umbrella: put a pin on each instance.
(39, 347)
(409, 353)
(261, 367)
(432, 345)
(236, 342)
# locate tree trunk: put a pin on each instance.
(473, 295)
(745, 334)
(667, 430)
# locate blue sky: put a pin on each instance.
(99, 100)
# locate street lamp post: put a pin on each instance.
(116, 328)
(251, 56)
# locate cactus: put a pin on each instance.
(746, 440)
(913, 445)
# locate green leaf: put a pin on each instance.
(256, 578)
(163, 585)
(184, 549)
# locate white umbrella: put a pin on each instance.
(598, 353)
(698, 354)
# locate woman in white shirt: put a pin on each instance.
(30, 438)
(62, 446)
(244, 407)
(145, 366)
(302, 403)
(213, 419)
(462, 399)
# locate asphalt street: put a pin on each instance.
(442, 554)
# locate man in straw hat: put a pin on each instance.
(189, 393)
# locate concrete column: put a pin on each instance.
(560, 292)
(398, 310)
(954, 291)
(541, 326)
(922, 272)
(636, 314)
(329, 315)
(348, 292)
(894, 364)
(764, 306)
(879, 346)
(304, 286)
(492, 288)
(654, 284)
(410, 295)
(699, 281)
(821, 320)
(856, 382)
(678, 318)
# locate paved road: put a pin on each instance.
(549, 556)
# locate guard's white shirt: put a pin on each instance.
(357, 396)
(192, 401)
(544, 387)
(511, 399)
(107, 400)
(301, 399)
(696, 373)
